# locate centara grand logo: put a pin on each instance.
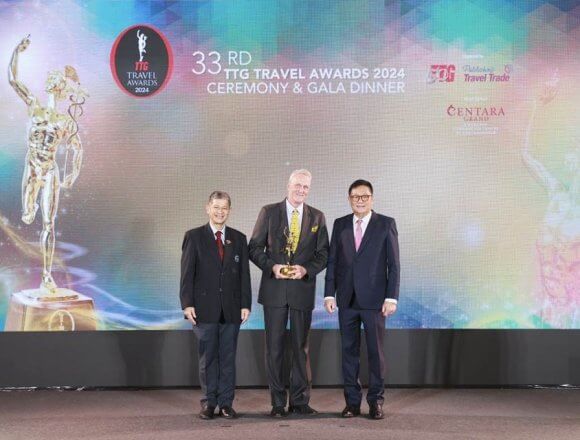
(475, 114)
(141, 61)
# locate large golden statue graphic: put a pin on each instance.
(49, 307)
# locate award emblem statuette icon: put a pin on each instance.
(49, 307)
(289, 251)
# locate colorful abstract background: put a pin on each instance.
(485, 243)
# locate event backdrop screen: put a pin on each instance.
(463, 114)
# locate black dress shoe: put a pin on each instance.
(228, 412)
(278, 411)
(206, 412)
(350, 411)
(305, 410)
(376, 411)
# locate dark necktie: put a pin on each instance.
(220, 245)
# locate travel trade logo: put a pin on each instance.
(141, 61)
(473, 74)
(446, 73)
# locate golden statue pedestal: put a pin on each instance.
(64, 310)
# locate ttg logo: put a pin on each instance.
(141, 61)
(441, 73)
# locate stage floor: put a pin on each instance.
(410, 414)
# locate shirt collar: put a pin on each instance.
(365, 220)
(290, 208)
(214, 230)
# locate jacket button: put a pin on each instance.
(221, 290)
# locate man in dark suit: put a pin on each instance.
(216, 298)
(292, 294)
(363, 274)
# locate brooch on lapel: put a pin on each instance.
(314, 229)
(228, 242)
(237, 258)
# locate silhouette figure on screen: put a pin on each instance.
(558, 244)
(142, 38)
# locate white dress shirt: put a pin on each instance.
(290, 209)
(365, 222)
(214, 230)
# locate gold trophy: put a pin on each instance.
(49, 307)
(289, 251)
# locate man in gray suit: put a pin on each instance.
(290, 295)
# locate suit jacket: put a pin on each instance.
(210, 285)
(372, 272)
(267, 248)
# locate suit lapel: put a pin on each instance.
(228, 248)
(283, 221)
(211, 244)
(349, 231)
(370, 230)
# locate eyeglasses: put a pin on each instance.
(364, 198)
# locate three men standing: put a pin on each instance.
(289, 295)
(363, 274)
(216, 297)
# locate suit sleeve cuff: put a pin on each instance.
(391, 300)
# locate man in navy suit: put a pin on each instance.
(216, 298)
(363, 275)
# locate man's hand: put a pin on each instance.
(330, 305)
(276, 271)
(298, 272)
(189, 313)
(388, 308)
(245, 315)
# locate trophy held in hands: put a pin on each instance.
(289, 252)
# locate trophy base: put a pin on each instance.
(63, 310)
(287, 271)
(44, 295)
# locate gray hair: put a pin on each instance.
(301, 171)
(220, 195)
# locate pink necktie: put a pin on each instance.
(358, 234)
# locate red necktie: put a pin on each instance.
(220, 245)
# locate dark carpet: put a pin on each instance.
(410, 414)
